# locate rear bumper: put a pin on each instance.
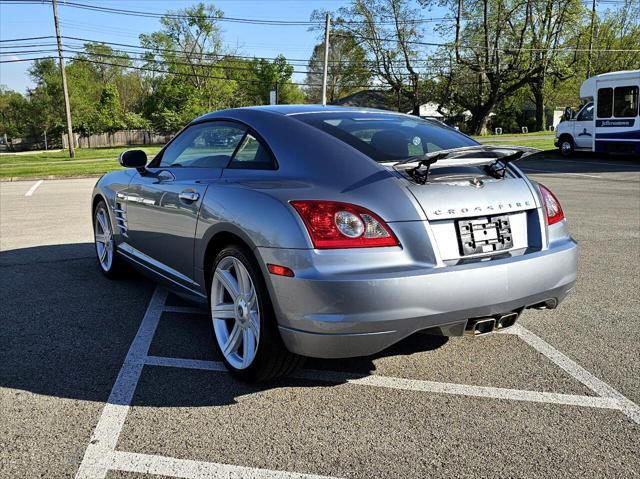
(345, 315)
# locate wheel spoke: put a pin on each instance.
(249, 347)
(103, 254)
(244, 282)
(223, 311)
(103, 223)
(228, 282)
(101, 238)
(251, 301)
(254, 324)
(234, 340)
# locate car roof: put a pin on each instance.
(292, 110)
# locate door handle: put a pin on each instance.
(189, 196)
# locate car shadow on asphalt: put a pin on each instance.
(66, 330)
(551, 162)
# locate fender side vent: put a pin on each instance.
(121, 219)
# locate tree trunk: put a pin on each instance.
(45, 140)
(539, 101)
(416, 108)
(480, 119)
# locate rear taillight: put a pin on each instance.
(342, 225)
(551, 205)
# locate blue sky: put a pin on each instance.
(295, 42)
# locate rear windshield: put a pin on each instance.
(388, 137)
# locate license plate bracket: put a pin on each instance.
(483, 235)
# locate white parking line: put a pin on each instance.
(592, 163)
(527, 168)
(184, 310)
(185, 468)
(33, 189)
(101, 455)
(601, 388)
(410, 384)
(105, 436)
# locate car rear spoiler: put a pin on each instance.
(495, 159)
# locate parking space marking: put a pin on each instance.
(105, 436)
(33, 189)
(601, 388)
(189, 469)
(536, 170)
(184, 310)
(591, 162)
(404, 384)
(101, 455)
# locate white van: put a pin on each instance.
(609, 122)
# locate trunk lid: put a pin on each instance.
(473, 215)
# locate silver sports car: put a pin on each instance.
(334, 232)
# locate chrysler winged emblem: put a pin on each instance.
(477, 182)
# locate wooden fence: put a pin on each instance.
(118, 138)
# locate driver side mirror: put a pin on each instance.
(568, 113)
(133, 159)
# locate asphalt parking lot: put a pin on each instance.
(118, 379)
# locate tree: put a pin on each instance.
(108, 117)
(13, 113)
(551, 25)
(347, 70)
(491, 59)
(388, 31)
(267, 76)
(42, 114)
(190, 46)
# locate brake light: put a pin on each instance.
(551, 205)
(332, 224)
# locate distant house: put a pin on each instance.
(430, 110)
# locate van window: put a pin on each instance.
(605, 102)
(625, 103)
(586, 114)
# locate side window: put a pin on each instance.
(605, 102)
(625, 102)
(205, 145)
(253, 154)
(586, 114)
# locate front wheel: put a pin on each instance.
(244, 324)
(110, 263)
(566, 146)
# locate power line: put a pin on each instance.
(251, 21)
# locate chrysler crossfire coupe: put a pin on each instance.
(334, 232)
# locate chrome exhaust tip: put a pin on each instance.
(506, 320)
(477, 327)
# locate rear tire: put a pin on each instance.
(109, 262)
(566, 146)
(244, 324)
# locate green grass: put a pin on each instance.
(89, 161)
(531, 133)
(542, 144)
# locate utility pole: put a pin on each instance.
(593, 18)
(67, 107)
(327, 25)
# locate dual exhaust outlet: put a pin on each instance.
(479, 326)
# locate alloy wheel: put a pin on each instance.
(104, 239)
(235, 312)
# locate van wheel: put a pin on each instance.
(244, 324)
(566, 146)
